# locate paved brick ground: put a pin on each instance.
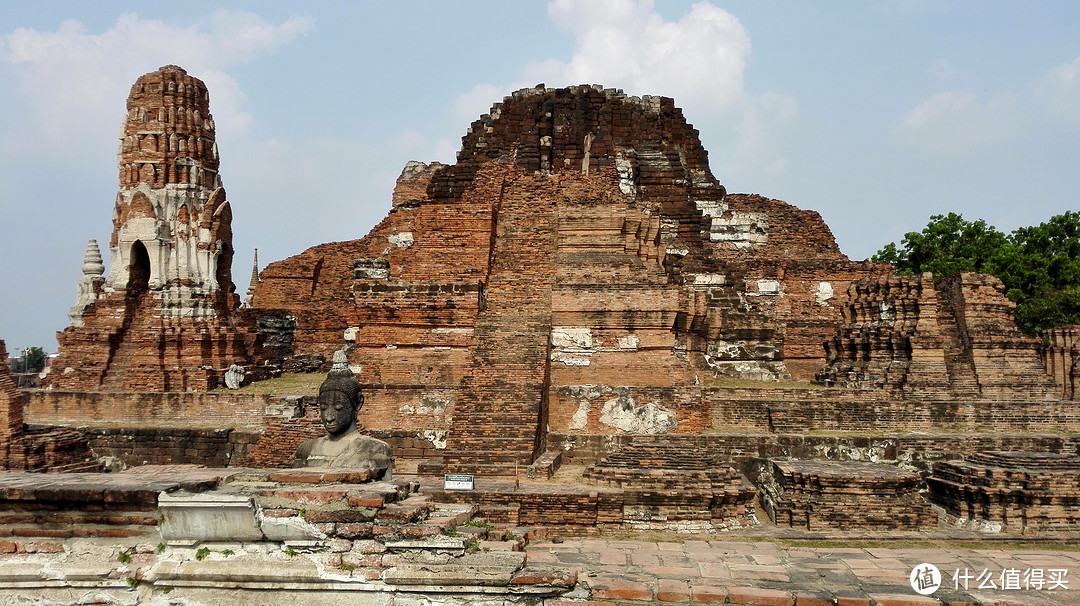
(771, 574)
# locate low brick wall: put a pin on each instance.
(131, 447)
(196, 409)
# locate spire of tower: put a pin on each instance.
(250, 298)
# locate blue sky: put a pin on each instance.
(875, 114)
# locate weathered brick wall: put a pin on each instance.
(191, 410)
(1061, 355)
(35, 448)
(408, 407)
(801, 255)
(846, 496)
(750, 451)
(1015, 491)
(603, 410)
(276, 447)
(1005, 360)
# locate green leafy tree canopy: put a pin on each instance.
(1039, 265)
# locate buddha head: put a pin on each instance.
(340, 398)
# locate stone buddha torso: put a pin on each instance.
(344, 446)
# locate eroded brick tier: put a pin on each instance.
(1061, 354)
(669, 482)
(1011, 491)
(953, 337)
(165, 318)
(580, 240)
(819, 495)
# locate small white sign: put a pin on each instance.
(457, 482)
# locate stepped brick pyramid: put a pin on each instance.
(580, 240)
(1012, 491)
(848, 495)
(164, 319)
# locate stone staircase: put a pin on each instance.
(499, 417)
(958, 360)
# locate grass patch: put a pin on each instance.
(480, 524)
(290, 384)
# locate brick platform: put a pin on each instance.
(1027, 492)
(819, 495)
(665, 484)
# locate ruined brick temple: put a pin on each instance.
(577, 288)
(164, 319)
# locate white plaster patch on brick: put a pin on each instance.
(678, 251)
(888, 313)
(572, 345)
(356, 369)
(823, 292)
(744, 229)
(437, 437)
(581, 417)
(401, 240)
(711, 208)
(629, 342)
(651, 418)
(708, 279)
(350, 333)
(571, 337)
(767, 287)
(434, 403)
(625, 168)
(377, 268)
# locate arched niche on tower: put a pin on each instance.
(139, 269)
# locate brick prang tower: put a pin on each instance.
(165, 316)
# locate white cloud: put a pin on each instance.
(469, 106)
(446, 151)
(699, 60)
(958, 122)
(1060, 91)
(74, 81)
(763, 117)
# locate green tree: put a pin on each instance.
(34, 359)
(947, 245)
(1039, 265)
